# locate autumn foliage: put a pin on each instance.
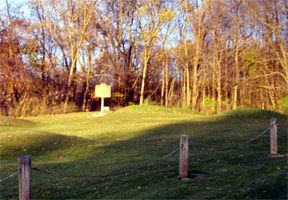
(209, 55)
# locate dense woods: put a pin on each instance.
(206, 55)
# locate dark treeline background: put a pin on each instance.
(206, 55)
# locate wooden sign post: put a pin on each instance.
(103, 91)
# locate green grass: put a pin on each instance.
(124, 140)
(251, 113)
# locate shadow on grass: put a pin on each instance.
(275, 189)
(13, 121)
(225, 175)
(34, 143)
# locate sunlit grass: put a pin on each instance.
(81, 144)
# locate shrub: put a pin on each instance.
(283, 103)
(208, 105)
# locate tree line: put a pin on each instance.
(206, 55)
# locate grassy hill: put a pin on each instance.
(82, 144)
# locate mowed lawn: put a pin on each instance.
(123, 141)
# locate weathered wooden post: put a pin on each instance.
(184, 157)
(273, 137)
(25, 179)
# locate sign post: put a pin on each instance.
(103, 91)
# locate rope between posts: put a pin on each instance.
(107, 175)
(10, 176)
(234, 147)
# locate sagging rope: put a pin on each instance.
(234, 147)
(107, 175)
(10, 176)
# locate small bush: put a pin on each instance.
(208, 105)
(148, 101)
(283, 103)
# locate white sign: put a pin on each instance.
(103, 91)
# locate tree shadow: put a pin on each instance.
(217, 170)
(35, 143)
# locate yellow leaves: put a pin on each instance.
(167, 15)
(153, 19)
(142, 9)
(162, 15)
(149, 34)
(189, 9)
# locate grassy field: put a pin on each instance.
(81, 144)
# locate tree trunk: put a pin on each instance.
(163, 87)
(184, 96)
(87, 85)
(166, 83)
(69, 86)
(195, 76)
(144, 76)
(188, 95)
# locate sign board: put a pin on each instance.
(103, 91)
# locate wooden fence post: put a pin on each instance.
(25, 180)
(273, 137)
(184, 157)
